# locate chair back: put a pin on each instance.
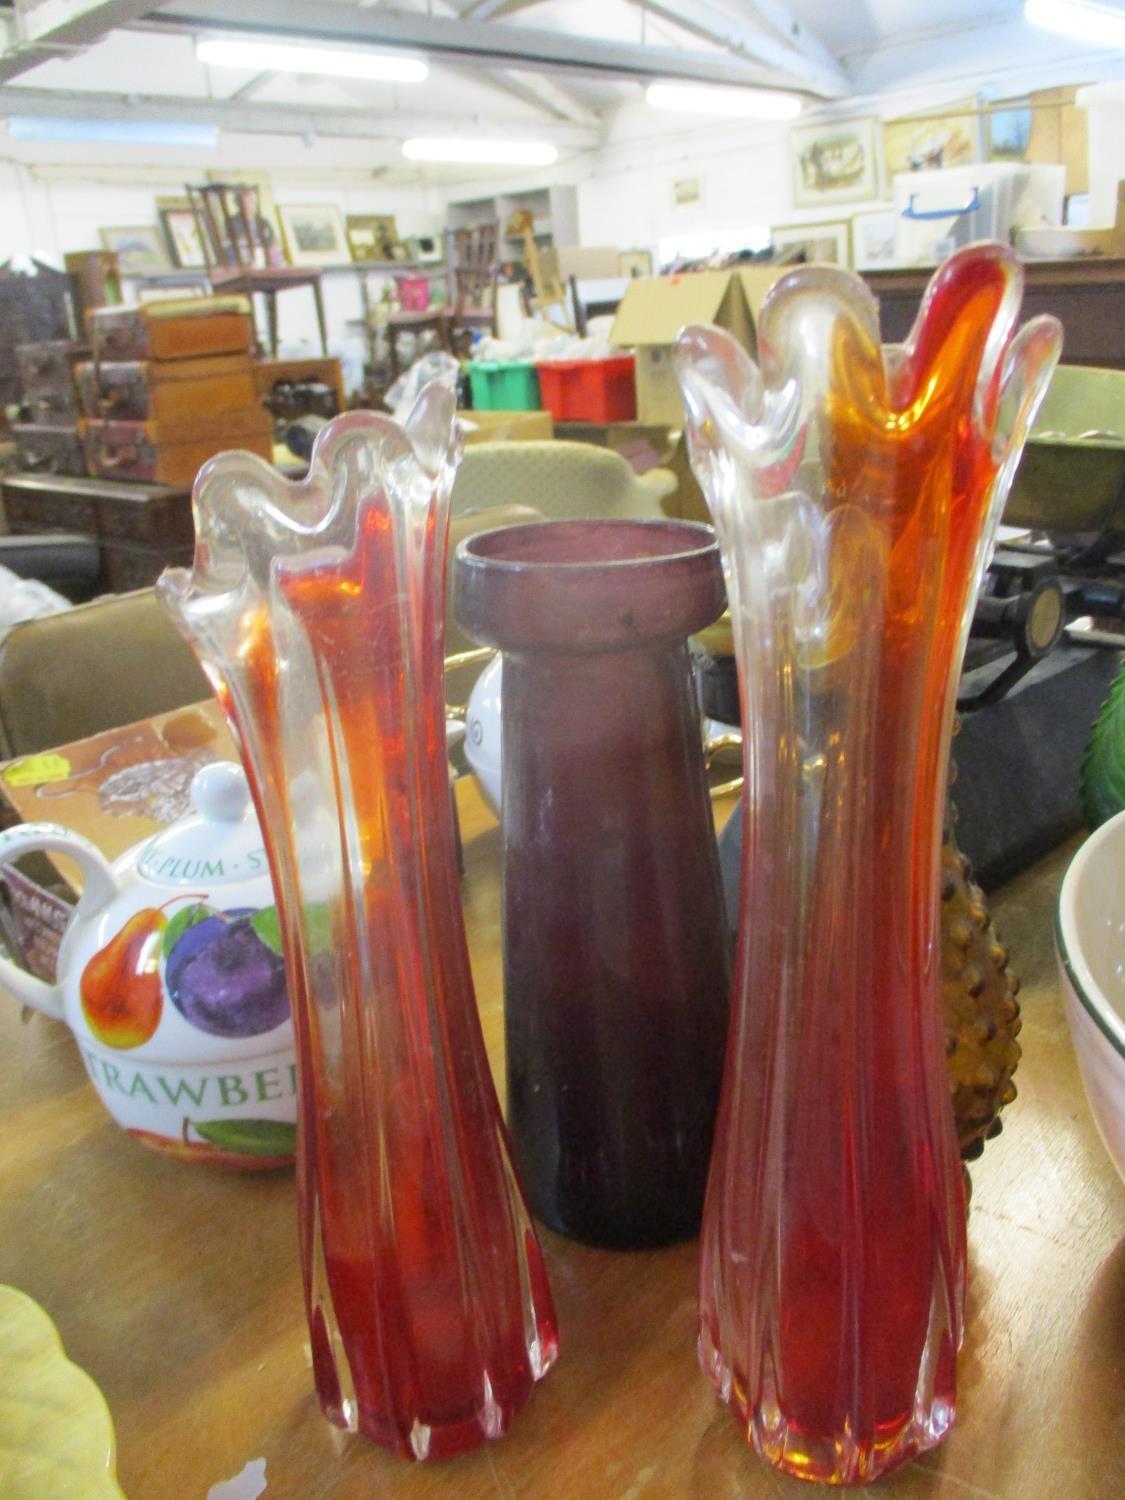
(473, 258)
(562, 480)
(232, 228)
(95, 667)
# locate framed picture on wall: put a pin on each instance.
(827, 244)
(873, 238)
(372, 236)
(182, 233)
(314, 234)
(1009, 129)
(833, 161)
(634, 263)
(952, 139)
(140, 251)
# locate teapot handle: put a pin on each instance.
(99, 886)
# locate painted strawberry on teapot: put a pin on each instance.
(172, 981)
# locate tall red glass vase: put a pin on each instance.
(855, 491)
(317, 610)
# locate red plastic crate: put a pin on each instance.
(589, 390)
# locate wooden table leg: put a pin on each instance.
(271, 321)
(322, 325)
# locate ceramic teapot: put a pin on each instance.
(172, 981)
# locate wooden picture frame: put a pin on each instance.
(140, 249)
(373, 237)
(314, 234)
(834, 161)
(185, 247)
(827, 243)
(873, 239)
(931, 141)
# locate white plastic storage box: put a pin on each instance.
(936, 212)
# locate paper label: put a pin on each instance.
(36, 770)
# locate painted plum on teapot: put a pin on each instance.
(222, 970)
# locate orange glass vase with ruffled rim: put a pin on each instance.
(855, 490)
(317, 610)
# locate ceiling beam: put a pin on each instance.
(482, 42)
(780, 16)
(62, 26)
(490, 10)
(536, 89)
(255, 85)
(551, 96)
(822, 76)
(242, 116)
(516, 86)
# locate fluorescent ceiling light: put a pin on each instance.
(1100, 24)
(113, 132)
(298, 57)
(498, 153)
(707, 99)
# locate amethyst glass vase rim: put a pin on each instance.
(699, 542)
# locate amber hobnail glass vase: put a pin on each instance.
(317, 611)
(855, 492)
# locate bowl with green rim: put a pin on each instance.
(1090, 942)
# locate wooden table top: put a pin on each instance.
(178, 1288)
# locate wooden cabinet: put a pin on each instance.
(140, 528)
(1087, 295)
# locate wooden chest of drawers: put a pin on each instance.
(140, 528)
(173, 450)
(49, 448)
(144, 390)
(183, 330)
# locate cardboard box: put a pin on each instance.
(588, 262)
(655, 308)
(506, 426)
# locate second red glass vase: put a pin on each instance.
(855, 492)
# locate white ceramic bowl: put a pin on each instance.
(1090, 939)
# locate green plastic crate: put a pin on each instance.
(504, 385)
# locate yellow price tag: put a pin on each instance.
(35, 770)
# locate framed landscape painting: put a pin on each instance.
(140, 251)
(314, 234)
(873, 239)
(826, 244)
(834, 161)
(928, 142)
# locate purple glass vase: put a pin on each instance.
(616, 970)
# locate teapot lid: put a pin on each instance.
(219, 843)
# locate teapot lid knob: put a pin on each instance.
(220, 793)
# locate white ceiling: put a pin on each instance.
(122, 56)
